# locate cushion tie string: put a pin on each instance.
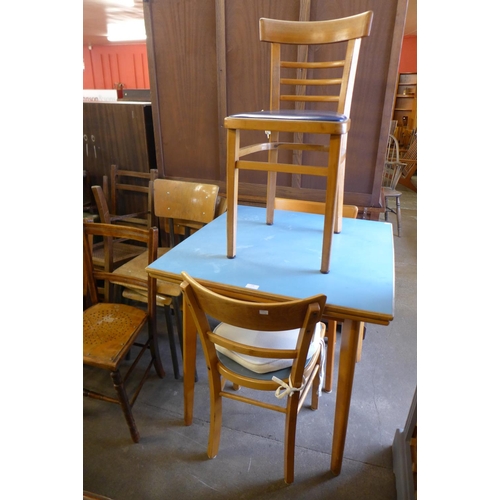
(285, 389)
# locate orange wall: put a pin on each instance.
(107, 65)
(408, 59)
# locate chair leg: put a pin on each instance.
(171, 341)
(386, 213)
(290, 431)
(215, 415)
(153, 345)
(398, 214)
(125, 405)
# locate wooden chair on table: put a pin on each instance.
(111, 330)
(393, 168)
(308, 78)
(181, 208)
(261, 346)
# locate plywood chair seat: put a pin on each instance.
(302, 92)
(111, 330)
(284, 335)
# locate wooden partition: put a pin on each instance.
(206, 62)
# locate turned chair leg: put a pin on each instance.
(125, 405)
(398, 215)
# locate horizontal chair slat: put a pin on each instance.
(317, 126)
(312, 65)
(282, 167)
(310, 98)
(305, 81)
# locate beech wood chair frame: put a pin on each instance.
(335, 124)
(303, 314)
(110, 330)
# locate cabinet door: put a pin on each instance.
(93, 161)
(117, 133)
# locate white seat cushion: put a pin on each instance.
(272, 340)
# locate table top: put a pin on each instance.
(282, 261)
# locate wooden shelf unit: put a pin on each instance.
(405, 101)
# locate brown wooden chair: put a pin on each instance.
(180, 208)
(183, 207)
(111, 331)
(261, 346)
(409, 157)
(123, 251)
(130, 197)
(393, 168)
(335, 74)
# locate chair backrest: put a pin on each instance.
(264, 317)
(130, 194)
(312, 207)
(183, 206)
(315, 75)
(393, 167)
(409, 157)
(392, 152)
(110, 232)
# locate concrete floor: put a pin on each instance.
(170, 461)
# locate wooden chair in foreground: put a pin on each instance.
(320, 82)
(260, 346)
(180, 208)
(111, 330)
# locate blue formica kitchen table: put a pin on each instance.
(282, 262)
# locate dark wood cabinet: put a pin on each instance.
(117, 133)
(206, 62)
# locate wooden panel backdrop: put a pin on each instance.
(206, 61)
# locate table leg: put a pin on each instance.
(347, 363)
(189, 363)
